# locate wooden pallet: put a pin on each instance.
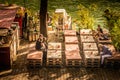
(35, 59)
(87, 38)
(90, 47)
(69, 33)
(71, 40)
(85, 32)
(92, 59)
(54, 62)
(54, 58)
(69, 47)
(73, 62)
(55, 45)
(73, 58)
(92, 62)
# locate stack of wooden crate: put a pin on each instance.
(35, 59)
(90, 49)
(72, 52)
(54, 54)
(92, 58)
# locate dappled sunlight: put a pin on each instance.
(23, 53)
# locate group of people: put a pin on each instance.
(41, 43)
(105, 52)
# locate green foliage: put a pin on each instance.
(114, 26)
(85, 19)
(115, 33)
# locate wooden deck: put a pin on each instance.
(20, 71)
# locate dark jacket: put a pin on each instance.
(38, 45)
(106, 50)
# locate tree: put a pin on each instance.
(43, 17)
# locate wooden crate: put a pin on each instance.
(73, 58)
(90, 46)
(92, 59)
(54, 58)
(69, 33)
(71, 40)
(86, 38)
(35, 59)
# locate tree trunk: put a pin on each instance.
(43, 17)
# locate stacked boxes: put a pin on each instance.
(72, 52)
(54, 54)
(90, 49)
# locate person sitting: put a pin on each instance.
(105, 52)
(100, 33)
(39, 43)
(99, 29)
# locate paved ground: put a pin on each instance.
(20, 71)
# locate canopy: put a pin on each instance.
(7, 17)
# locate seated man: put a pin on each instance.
(105, 52)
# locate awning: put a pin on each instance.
(7, 17)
